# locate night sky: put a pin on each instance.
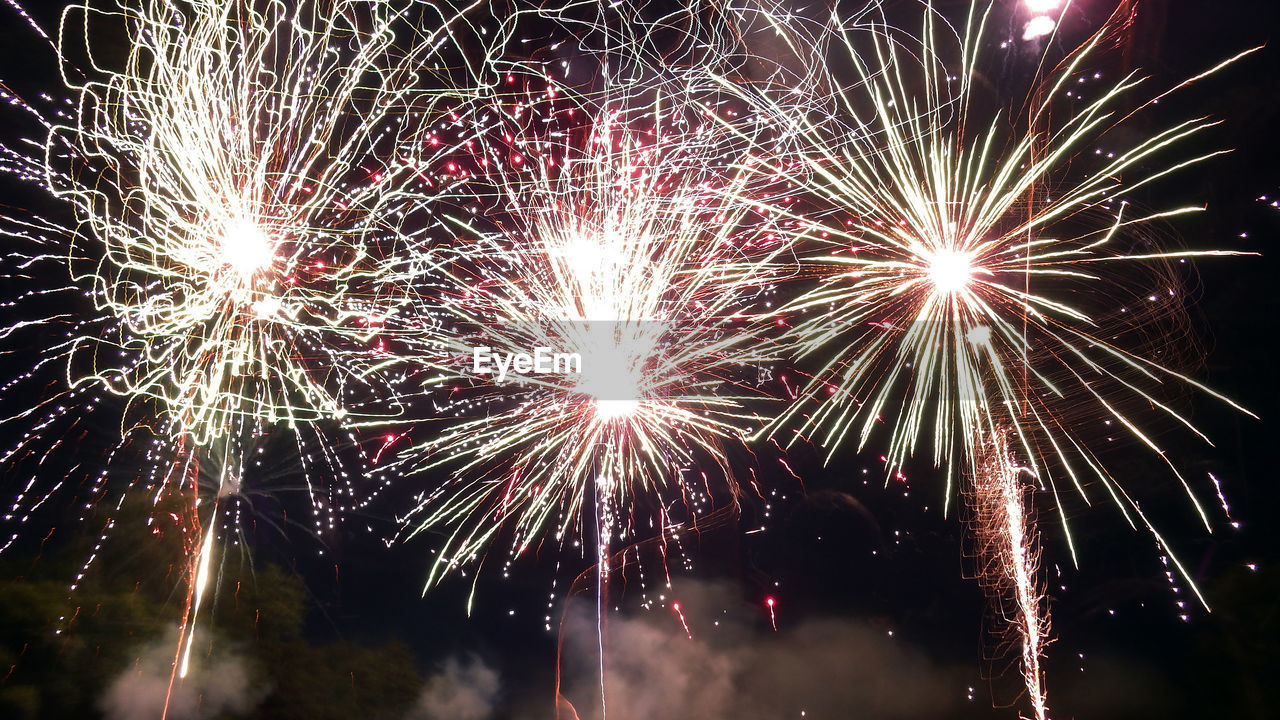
(876, 611)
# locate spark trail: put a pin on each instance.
(1008, 554)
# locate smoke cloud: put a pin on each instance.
(732, 669)
(458, 691)
(215, 685)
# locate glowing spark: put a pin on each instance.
(616, 409)
(246, 248)
(950, 271)
(1038, 27)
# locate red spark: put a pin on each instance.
(676, 606)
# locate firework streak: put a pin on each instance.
(1008, 556)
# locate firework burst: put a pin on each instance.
(232, 182)
(963, 267)
(943, 266)
(619, 251)
(238, 181)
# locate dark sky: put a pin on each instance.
(899, 633)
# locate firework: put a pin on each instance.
(232, 182)
(242, 188)
(237, 182)
(964, 268)
(935, 256)
(616, 249)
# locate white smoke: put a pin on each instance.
(215, 685)
(733, 669)
(458, 691)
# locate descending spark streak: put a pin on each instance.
(1009, 557)
(675, 606)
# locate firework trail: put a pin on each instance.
(1008, 554)
(965, 264)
